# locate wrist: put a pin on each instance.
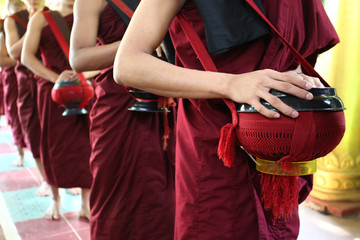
(224, 89)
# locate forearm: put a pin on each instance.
(93, 58)
(6, 61)
(32, 63)
(15, 49)
(143, 71)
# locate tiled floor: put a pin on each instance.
(21, 211)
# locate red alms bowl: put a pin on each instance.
(72, 95)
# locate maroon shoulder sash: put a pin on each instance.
(21, 19)
(61, 32)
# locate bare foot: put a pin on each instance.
(53, 212)
(44, 190)
(74, 191)
(84, 213)
(19, 162)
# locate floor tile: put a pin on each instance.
(41, 228)
(17, 180)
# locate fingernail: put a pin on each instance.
(308, 86)
(309, 96)
(294, 114)
(276, 115)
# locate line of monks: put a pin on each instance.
(124, 161)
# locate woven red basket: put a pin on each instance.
(284, 147)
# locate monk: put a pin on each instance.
(132, 196)
(9, 82)
(214, 201)
(64, 145)
(15, 28)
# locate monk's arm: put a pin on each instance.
(135, 66)
(31, 46)
(13, 42)
(5, 59)
(84, 54)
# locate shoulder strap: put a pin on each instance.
(125, 8)
(62, 39)
(305, 64)
(62, 25)
(21, 20)
(18, 20)
(226, 147)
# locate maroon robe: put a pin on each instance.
(214, 201)
(27, 109)
(2, 102)
(64, 146)
(11, 110)
(26, 99)
(132, 196)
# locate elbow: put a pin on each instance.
(75, 64)
(14, 55)
(25, 60)
(118, 76)
(121, 72)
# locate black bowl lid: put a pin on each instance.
(143, 95)
(325, 99)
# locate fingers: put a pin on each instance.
(158, 52)
(289, 77)
(68, 75)
(314, 81)
(276, 103)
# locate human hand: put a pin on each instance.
(67, 75)
(158, 51)
(253, 86)
(314, 81)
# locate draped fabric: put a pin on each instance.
(132, 196)
(27, 108)
(64, 146)
(27, 95)
(11, 110)
(213, 201)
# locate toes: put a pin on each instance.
(44, 190)
(74, 191)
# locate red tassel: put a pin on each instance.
(226, 148)
(280, 193)
(165, 103)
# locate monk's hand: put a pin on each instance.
(253, 86)
(158, 51)
(67, 75)
(313, 81)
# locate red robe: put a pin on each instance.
(11, 111)
(132, 196)
(64, 146)
(27, 109)
(214, 201)
(2, 102)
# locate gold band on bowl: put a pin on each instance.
(298, 168)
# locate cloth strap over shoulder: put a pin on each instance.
(61, 32)
(125, 8)
(21, 18)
